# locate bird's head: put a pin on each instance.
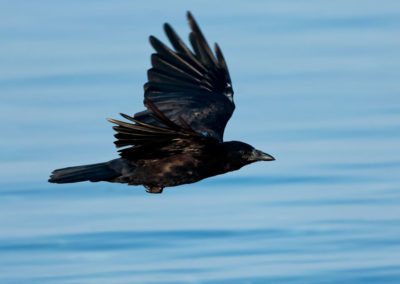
(240, 153)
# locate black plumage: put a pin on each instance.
(178, 139)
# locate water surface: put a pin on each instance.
(316, 86)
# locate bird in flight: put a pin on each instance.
(178, 139)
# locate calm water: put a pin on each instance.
(317, 86)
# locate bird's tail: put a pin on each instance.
(94, 172)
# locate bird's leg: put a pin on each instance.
(154, 189)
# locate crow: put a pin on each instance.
(178, 139)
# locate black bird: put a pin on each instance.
(178, 139)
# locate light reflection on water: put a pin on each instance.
(316, 86)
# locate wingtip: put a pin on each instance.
(152, 39)
(111, 120)
(168, 30)
(191, 20)
(130, 118)
(166, 26)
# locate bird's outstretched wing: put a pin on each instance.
(140, 140)
(189, 85)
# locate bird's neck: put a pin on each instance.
(224, 161)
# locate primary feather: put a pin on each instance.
(192, 85)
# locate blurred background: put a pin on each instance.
(317, 86)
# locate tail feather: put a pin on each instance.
(94, 172)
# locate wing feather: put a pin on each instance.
(190, 85)
(173, 57)
(140, 140)
(168, 68)
(204, 48)
(188, 99)
(181, 48)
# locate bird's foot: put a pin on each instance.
(153, 189)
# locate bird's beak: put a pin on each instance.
(258, 155)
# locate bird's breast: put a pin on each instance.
(171, 171)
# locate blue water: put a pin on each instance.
(317, 86)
